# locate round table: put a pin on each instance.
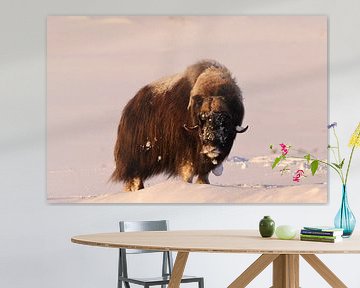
(284, 254)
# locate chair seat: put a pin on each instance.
(158, 280)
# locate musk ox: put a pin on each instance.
(183, 125)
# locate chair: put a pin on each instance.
(167, 262)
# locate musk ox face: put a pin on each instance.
(214, 124)
(216, 133)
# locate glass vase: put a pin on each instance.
(345, 219)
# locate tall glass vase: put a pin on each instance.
(345, 219)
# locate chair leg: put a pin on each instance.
(119, 270)
(201, 283)
(126, 284)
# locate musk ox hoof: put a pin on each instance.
(186, 171)
(133, 185)
(203, 180)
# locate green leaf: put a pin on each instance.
(336, 165)
(339, 166)
(271, 146)
(314, 166)
(342, 163)
(277, 161)
(307, 157)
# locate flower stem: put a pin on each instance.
(312, 158)
(351, 155)
(333, 152)
(325, 163)
(338, 146)
(339, 162)
(335, 168)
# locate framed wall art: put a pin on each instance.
(183, 109)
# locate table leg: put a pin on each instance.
(286, 271)
(253, 270)
(324, 271)
(178, 269)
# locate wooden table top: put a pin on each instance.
(216, 241)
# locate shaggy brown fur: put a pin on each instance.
(183, 125)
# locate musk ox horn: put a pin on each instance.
(190, 129)
(240, 129)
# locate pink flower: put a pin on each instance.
(284, 149)
(298, 174)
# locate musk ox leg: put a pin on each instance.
(134, 184)
(187, 172)
(203, 179)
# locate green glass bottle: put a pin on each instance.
(266, 226)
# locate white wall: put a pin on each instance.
(35, 248)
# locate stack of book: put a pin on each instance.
(321, 234)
